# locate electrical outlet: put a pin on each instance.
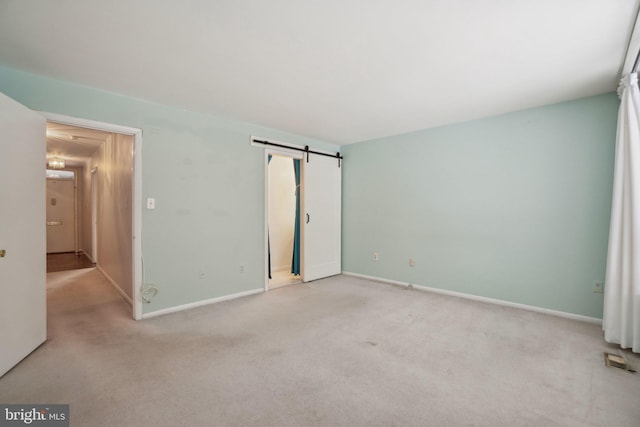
(598, 287)
(412, 262)
(376, 257)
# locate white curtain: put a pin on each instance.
(621, 320)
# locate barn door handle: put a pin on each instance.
(308, 218)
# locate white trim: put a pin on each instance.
(136, 196)
(564, 314)
(82, 251)
(266, 219)
(76, 212)
(137, 224)
(93, 193)
(275, 151)
(87, 123)
(201, 303)
(115, 285)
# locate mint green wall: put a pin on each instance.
(207, 180)
(514, 207)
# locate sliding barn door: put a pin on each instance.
(321, 221)
(22, 232)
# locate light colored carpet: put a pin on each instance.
(336, 352)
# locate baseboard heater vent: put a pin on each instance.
(615, 361)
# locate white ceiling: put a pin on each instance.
(340, 71)
(73, 144)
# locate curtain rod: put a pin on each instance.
(304, 150)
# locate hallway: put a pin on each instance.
(68, 261)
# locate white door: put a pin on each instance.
(22, 232)
(321, 221)
(61, 218)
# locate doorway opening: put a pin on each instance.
(62, 222)
(107, 181)
(283, 211)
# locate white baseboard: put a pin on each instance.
(201, 303)
(283, 268)
(87, 255)
(90, 258)
(115, 285)
(564, 314)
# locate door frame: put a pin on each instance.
(94, 214)
(136, 196)
(294, 155)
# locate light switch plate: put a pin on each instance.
(151, 203)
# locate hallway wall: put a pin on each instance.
(114, 161)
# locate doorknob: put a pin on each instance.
(2, 253)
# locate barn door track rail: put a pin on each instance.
(304, 150)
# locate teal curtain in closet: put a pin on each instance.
(295, 262)
(268, 234)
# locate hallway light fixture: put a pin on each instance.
(56, 163)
